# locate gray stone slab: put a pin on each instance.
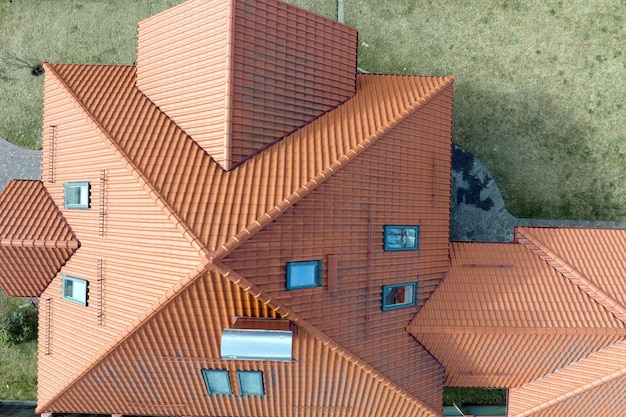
(18, 163)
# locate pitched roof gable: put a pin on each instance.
(501, 287)
(224, 277)
(225, 208)
(241, 74)
(35, 239)
(570, 384)
(504, 317)
(216, 209)
(589, 258)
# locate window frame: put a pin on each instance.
(65, 296)
(76, 206)
(413, 302)
(317, 278)
(242, 392)
(205, 376)
(389, 248)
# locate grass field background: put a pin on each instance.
(539, 94)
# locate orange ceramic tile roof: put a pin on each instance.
(218, 210)
(509, 301)
(238, 75)
(247, 198)
(593, 386)
(35, 239)
(189, 322)
(589, 258)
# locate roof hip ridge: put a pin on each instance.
(150, 312)
(281, 309)
(37, 243)
(143, 180)
(342, 160)
(572, 392)
(569, 271)
(434, 329)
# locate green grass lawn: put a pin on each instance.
(539, 93)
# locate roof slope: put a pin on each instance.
(238, 75)
(590, 387)
(35, 239)
(142, 376)
(514, 305)
(245, 199)
(591, 259)
(218, 210)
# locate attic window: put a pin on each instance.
(304, 274)
(76, 195)
(251, 383)
(217, 381)
(74, 289)
(399, 295)
(401, 238)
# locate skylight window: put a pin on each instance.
(217, 381)
(251, 383)
(399, 295)
(77, 195)
(304, 274)
(74, 289)
(401, 238)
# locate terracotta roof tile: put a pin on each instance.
(244, 74)
(222, 209)
(587, 257)
(508, 301)
(590, 387)
(192, 324)
(497, 286)
(35, 239)
(245, 199)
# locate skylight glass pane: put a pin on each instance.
(246, 344)
(251, 383)
(397, 296)
(303, 274)
(401, 238)
(217, 381)
(74, 289)
(76, 195)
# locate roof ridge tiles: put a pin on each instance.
(569, 271)
(39, 243)
(135, 171)
(568, 392)
(279, 308)
(326, 173)
(509, 330)
(257, 293)
(138, 322)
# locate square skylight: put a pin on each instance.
(217, 381)
(304, 274)
(251, 383)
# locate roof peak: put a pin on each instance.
(237, 75)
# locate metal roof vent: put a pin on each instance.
(255, 344)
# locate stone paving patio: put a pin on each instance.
(18, 163)
(477, 209)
